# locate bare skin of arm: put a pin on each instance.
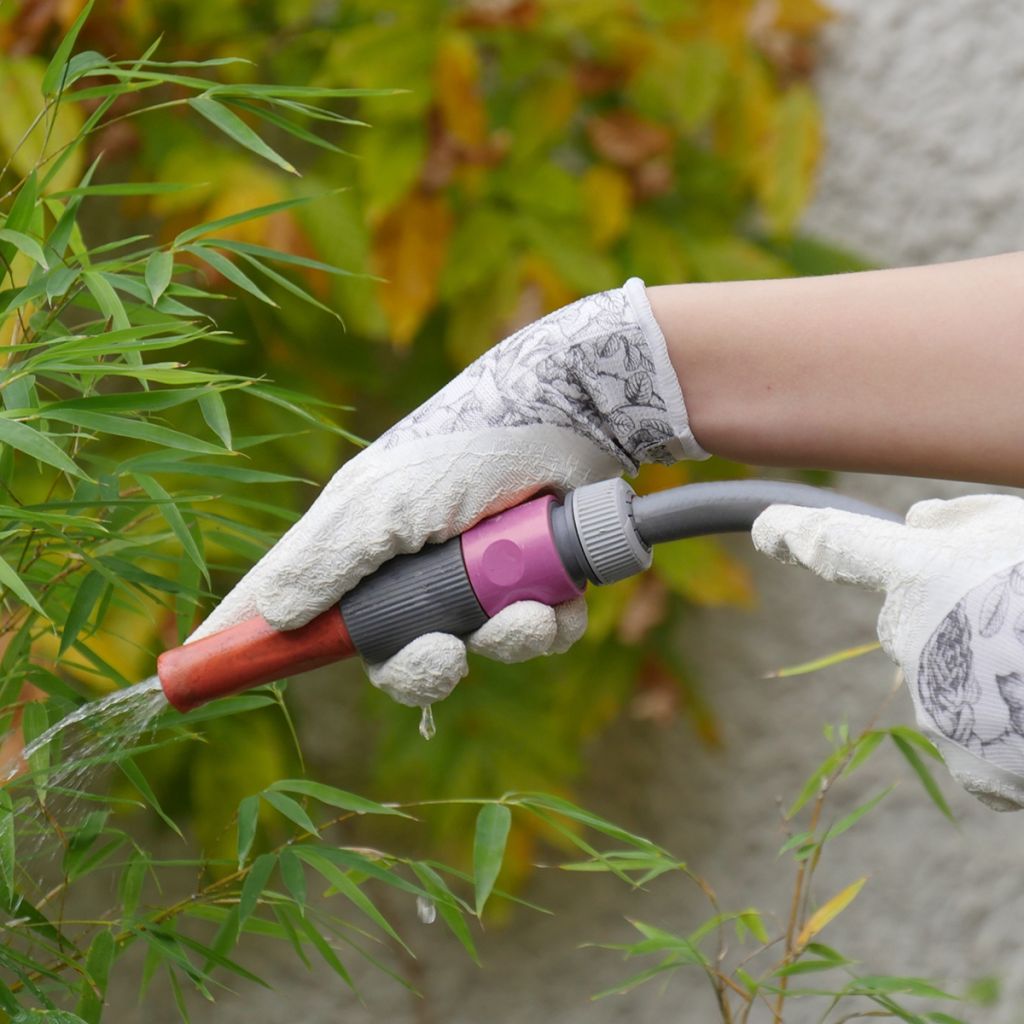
(916, 371)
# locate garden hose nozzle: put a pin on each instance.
(542, 550)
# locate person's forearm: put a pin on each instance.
(916, 371)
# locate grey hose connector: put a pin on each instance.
(731, 506)
(611, 545)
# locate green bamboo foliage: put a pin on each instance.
(126, 486)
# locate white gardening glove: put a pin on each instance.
(579, 396)
(953, 618)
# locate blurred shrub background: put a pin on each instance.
(537, 150)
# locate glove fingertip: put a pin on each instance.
(770, 529)
(571, 619)
(517, 633)
(424, 671)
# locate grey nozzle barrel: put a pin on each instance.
(425, 592)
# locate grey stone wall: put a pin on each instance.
(925, 117)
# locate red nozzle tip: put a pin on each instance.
(248, 654)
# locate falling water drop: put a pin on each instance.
(427, 728)
(425, 910)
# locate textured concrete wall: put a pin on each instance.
(925, 113)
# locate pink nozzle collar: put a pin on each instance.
(512, 557)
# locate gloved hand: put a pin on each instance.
(581, 395)
(953, 618)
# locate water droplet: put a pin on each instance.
(425, 909)
(427, 728)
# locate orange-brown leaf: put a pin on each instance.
(646, 609)
(626, 139)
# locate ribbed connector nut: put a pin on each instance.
(603, 516)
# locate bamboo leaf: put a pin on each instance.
(123, 426)
(25, 244)
(54, 74)
(211, 405)
(291, 810)
(344, 884)
(255, 883)
(570, 810)
(804, 967)
(19, 217)
(854, 816)
(35, 444)
(130, 884)
(14, 583)
(447, 906)
(322, 946)
(291, 127)
(918, 740)
(335, 797)
(825, 662)
(492, 827)
(864, 747)
(829, 911)
(262, 252)
(88, 593)
(159, 268)
(356, 861)
(227, 269)
(107, 299)
(291, 286)
(8, 859)
(58, 281)
(293, 876)
(257, 212)
(175, 520)
(94, 983)
(931, 787)
(235, 128)
(139, 781)
(248, 815)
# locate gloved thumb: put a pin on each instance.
(842, 546)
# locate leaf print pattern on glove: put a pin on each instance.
(971, 671)
(589, 367)
(946, 683)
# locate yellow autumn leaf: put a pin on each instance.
(609, 199)
(790, 159)
(727, 258)
(245, 187)
(133, 661)
(538, 273)
(11, 329)
(828, 912)
(409, 251)
(729, 21)
(458, 89)
(700, 570)
(656, 476)
(543, 112)
(21, 82)
(801, 17)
